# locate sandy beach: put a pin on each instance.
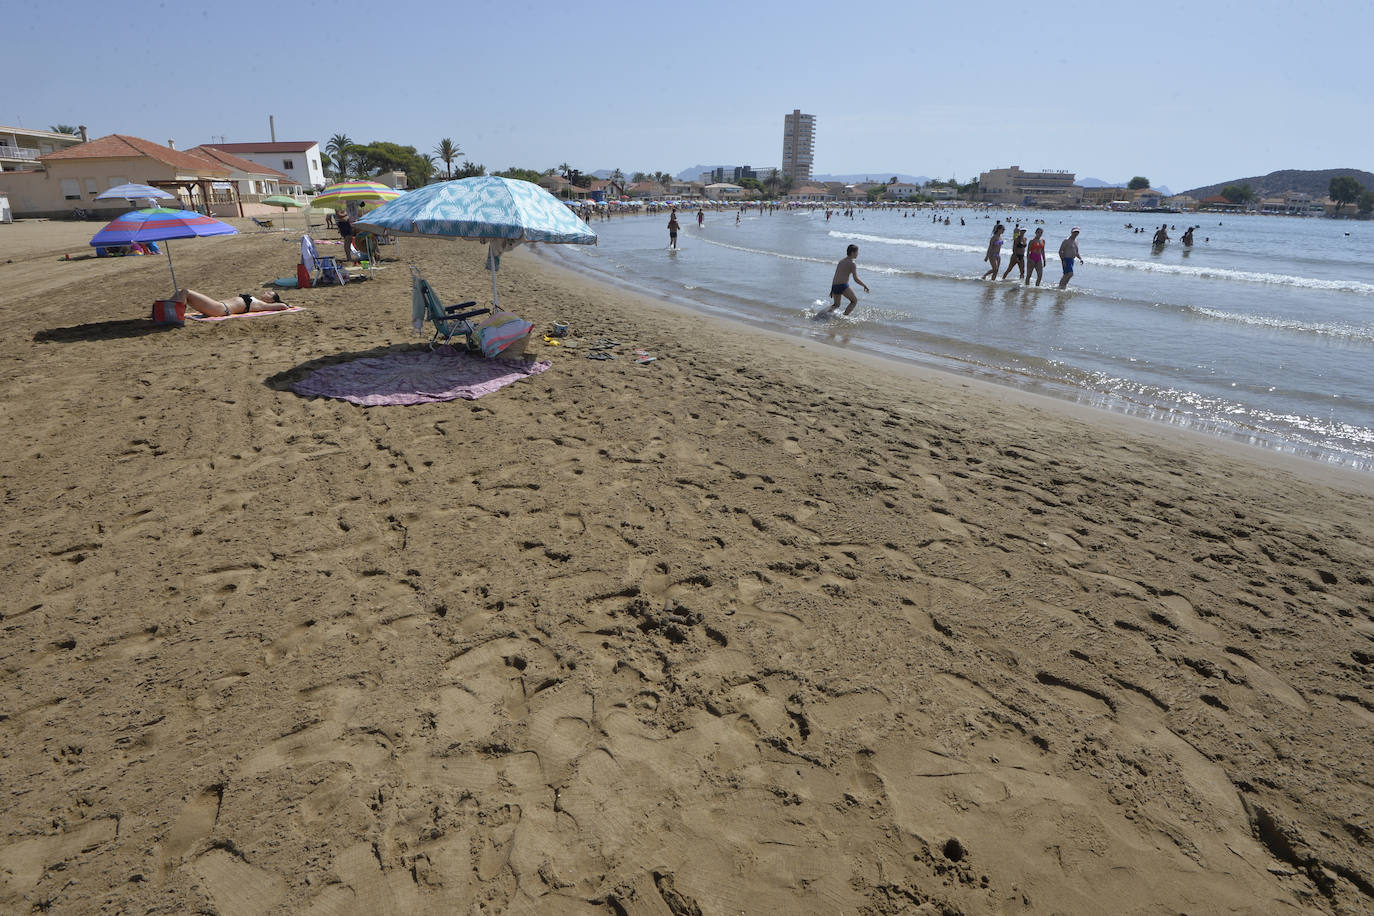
(759, 627)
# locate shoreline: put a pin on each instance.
(1283, 423)
(1231, 445)
(757, 627)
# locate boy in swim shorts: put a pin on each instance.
(839, 286)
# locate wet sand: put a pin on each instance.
(759, 627)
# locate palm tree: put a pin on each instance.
(425, 169)
(565, 169)
(446, 152)
(664, 179)
(339, 148)
(67, 129)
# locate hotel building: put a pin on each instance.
(1015, 188)
(798, 146)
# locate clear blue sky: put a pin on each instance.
(1185, 94)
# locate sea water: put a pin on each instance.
(1262, 331)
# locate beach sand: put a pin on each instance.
(760, 627)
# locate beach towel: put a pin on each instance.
(287, 311)
(501, 330)
(415, 377)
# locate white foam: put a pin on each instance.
(1220, 273)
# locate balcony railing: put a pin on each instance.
(18, 152)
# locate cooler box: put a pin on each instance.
(169, 311)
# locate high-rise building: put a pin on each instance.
(798, 145)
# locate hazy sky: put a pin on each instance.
(1184, 94)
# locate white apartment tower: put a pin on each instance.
(798, 146)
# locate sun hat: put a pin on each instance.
(1075, 229)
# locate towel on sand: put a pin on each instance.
(198, 317)
(415, 377)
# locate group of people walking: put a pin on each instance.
(1028, 257)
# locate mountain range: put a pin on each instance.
(1307, 181)
(1099, 183)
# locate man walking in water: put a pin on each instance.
(1068, 250)
(839, 286)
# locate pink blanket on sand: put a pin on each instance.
(415, 377)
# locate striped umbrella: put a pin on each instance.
(341, 192)
(159, 224)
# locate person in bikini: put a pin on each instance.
(1018, 253)
(236, 305)
(994, 255)
(1035, 255)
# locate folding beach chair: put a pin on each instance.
(324, 270)
(261, 223)
(449, 321)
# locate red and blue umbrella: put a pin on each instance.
(159, 224)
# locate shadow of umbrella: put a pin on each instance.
(102, 330)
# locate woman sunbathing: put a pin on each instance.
(221, 308)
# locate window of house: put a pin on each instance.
(71, 189)
(116, 182)
(92, 187)
(288, 163)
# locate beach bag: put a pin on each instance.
(169, 311)
(500, 333)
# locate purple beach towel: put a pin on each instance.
(415, 377)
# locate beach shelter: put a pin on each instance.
(159, 224)
(134, 192)
(341, 192)
(281, 200)
(503, 212)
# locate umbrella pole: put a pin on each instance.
(171, 268)
(491, 263)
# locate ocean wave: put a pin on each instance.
(1181, 270)
(1345, 332)
(909, 243)
(801, 257)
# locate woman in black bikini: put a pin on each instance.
(238, 305)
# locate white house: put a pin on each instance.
(20, 148)
(254, 181)
(299, 159)
(901, 190)
(723, 190)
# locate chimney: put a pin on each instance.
(82, 128)
(272, 125)
(171, 144)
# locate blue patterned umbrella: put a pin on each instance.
(501, 211)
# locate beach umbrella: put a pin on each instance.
(134, 192)
(283, 201)
(503, 212)
(159, 224)
(341, 192)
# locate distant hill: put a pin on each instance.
(1307, 181)
(1099, 183)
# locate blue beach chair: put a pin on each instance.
(449, 321)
